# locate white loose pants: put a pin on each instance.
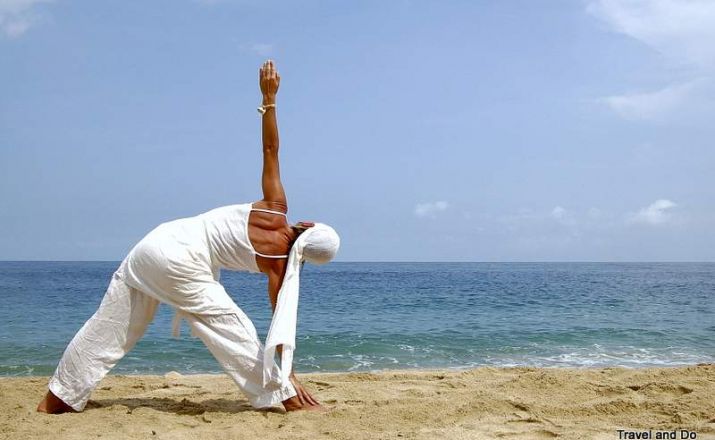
(121, 320)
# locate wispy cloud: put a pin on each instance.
(559, 221)
(429, 209)
(17, 16)
(576, 222)
(260, 49)
(657, 213)
(562, 216)
(654, 105)
(683, 32)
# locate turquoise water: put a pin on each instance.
(372, 316)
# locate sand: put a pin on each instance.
(483, 403)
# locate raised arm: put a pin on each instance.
(271, 181)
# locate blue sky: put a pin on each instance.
(421, 130)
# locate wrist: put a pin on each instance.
(269, 99)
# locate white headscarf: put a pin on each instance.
(317, 245)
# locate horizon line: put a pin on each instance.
(415, 261)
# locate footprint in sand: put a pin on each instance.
(321, 385)
(666, 388)
(526, 420)
(354, 402)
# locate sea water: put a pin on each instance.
(374, 316)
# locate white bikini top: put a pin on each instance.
(269, 212)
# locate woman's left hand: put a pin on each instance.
(269, 80)
(303, 395)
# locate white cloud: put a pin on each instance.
(651, 105)
(680, 29)
(561, 222)
(429, 209)
(658, 212)
(561, 215)
(684, 33)
(558, 213)
(17, 16)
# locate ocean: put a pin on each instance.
(376, 316)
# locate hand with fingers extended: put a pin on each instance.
(303, 400)
(269, 80)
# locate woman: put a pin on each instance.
(179, 263)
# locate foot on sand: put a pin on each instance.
(52, 404)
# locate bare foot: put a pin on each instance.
(52, 404)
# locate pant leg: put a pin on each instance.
(233, 341)
(113, 330)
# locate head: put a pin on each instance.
(320, 242)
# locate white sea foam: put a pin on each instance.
(597, 356)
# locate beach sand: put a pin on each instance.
(483, 403)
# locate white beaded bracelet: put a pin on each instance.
(262, 109)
